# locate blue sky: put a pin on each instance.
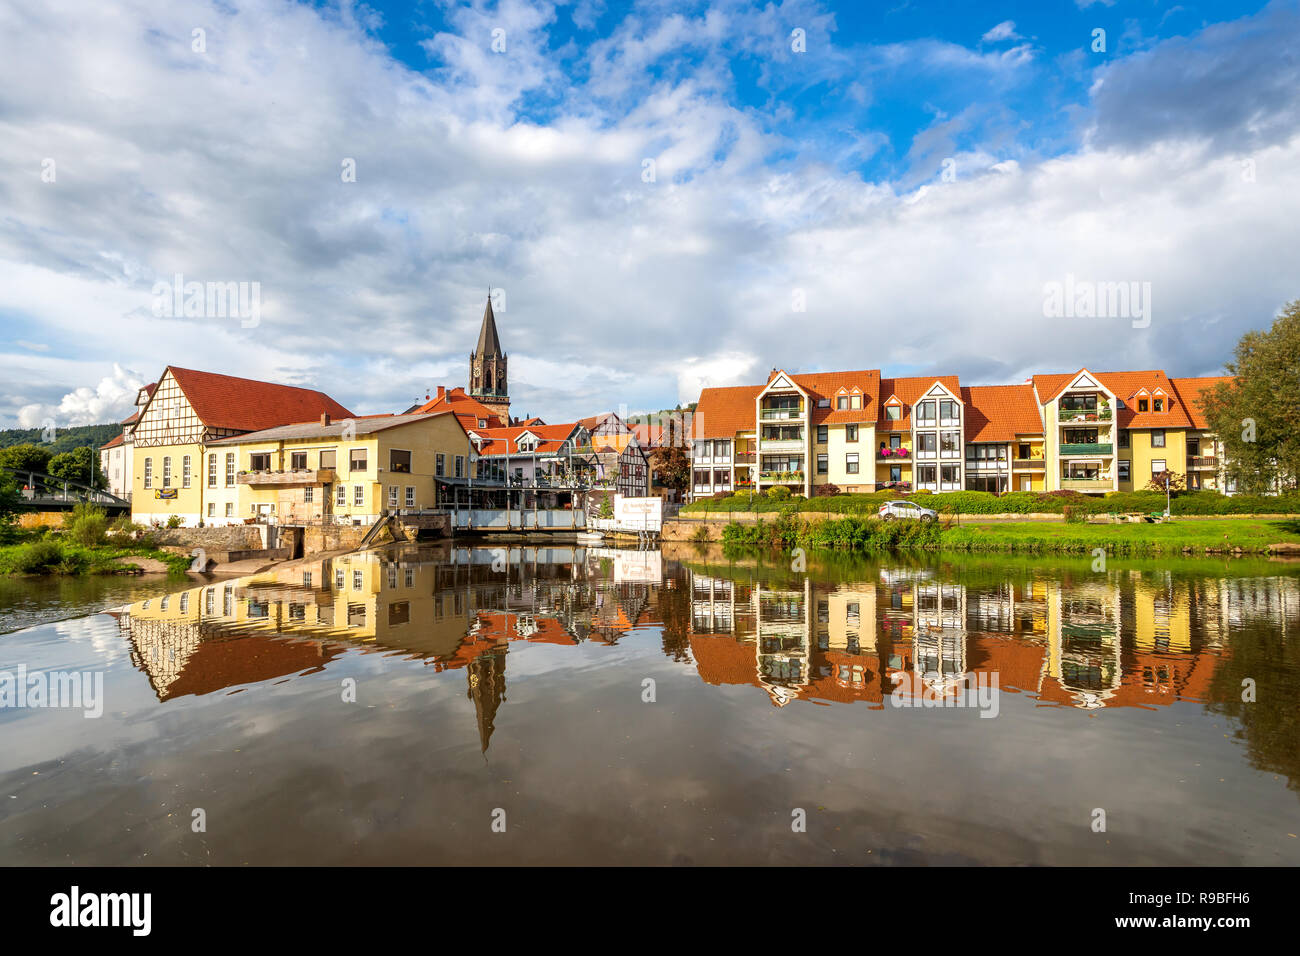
(1170, 157)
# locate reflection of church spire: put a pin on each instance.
(487, 688)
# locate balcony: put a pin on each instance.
(1092, 448)
(1066, 415)
(780, 414)
(781, 477)
(1029, 462)
(307, 476)
(1087, 484)
(745, 458)
(1202, 461)
(894, 454)
(782, 444)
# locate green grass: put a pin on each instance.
(858, 535)
(1248, 534)
(58, 555)
(1016, 502)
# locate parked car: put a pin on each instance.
(907, 509)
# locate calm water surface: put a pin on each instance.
(388, 707)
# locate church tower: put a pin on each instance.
(487, 368)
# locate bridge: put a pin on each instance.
(42, 492)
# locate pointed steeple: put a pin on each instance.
(488, 343)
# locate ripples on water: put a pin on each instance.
(624, 707)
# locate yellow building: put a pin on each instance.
(172, 472)
(345, 471)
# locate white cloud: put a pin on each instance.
(1006, 30)
(111, 400)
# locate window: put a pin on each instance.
(341, 496)
(230, 469)
(893, 412)
(308, 495)
(823, 403)
(148, 472)
(327, 458)
(212, 509)
(260, 461)
(895, 442)
(1143, 405)
(948, 413)
(298, 460)
(925, 413)
(950, 474)
(185, 471)
(822, 434)
(358, 580)
(460, 466)
(392, 496)
(841, 401)
(400, 462)
(823, 464)
(927, 443)
(1193, 447)
(1157, 465)
(950, 444)
(850, 432)
(1123, 469)
(895, 472)
(339, 579)
(1157, 438)
(925, 474)
(855, 401)
(440, 465)
(851, 463)
(1123, 438)
(1160, 404)
(408, 577)
(212, 471)
(358, 495)
(357, 459)
(167, 472)
(230, 509)
(410, 496)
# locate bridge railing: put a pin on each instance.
(39, 488)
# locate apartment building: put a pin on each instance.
(860, 432)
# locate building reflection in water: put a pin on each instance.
(1091, 641)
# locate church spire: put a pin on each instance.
(488, 375)
(488, 343)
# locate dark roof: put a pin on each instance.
(488, 343)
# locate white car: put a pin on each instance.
(907, 509)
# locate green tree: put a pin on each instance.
(10, 500)
(77, 465)
(1257, 415)
(25, 457)
(671, 467)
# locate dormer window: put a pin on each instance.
(1160, 404)
(1143, 405)
(894, 412)
(841, 402)
(823, 403)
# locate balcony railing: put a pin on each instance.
(745, 458)
(1087, 484)
(1087, 448)
(893, 454)
(1083, 415)
(788, 477)
(1202, 461)
(780, 414)
(1030, 462)
(306, 476)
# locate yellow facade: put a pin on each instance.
(1146, 458)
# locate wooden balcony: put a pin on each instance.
(1202, 461)
(1029, 462)
(308, 476)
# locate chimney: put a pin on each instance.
(442, 389)
(325, 418)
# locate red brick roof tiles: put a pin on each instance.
(243, 404)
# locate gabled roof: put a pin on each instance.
(1000, 413)
(721, 412)
(1125, 386)
(1192, 390)
(505, 441)
(244, 404)
(112, 443)
(608, 423)
(910, 390)
(365, 425)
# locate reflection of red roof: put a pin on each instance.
(1017, 662)
(839, 688)
(219, 663)
(224, 401)
(721, 659)
(1000, 413)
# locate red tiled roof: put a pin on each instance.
(1125, 386)
(243, 404)
(1193, 389)
(502, 441)
(113, 443)
(467, 408)
(721, 412)
(828, 385)
(1000, 413)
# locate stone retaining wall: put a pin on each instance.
(235, 537)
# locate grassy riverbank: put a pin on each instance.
(53, 555)
(852, 534)
(1016, 502)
